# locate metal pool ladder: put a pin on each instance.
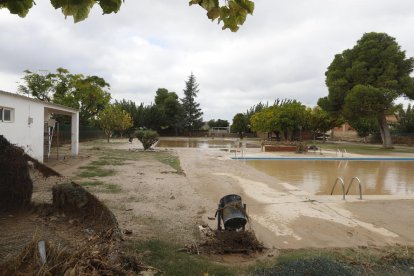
(359, 185)
(343, 187)
(349, 186)
(341, 152)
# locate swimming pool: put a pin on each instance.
(408, 159)
(379, 176)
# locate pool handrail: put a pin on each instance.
(359, 184)
(343, 187)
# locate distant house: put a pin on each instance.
(347, 133)
(28, 123)
(344, 132)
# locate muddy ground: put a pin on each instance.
(155, 200)
(152, 198)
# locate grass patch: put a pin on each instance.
(93, 171)
(350, 261)
(134, 198)
(118, 157)
(111, 188)
(396, 260)
(108, 161)
(91, 183)
(165, 256)
(169, 159)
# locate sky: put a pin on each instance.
(282, 51)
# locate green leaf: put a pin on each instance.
(19, 7)
(109, 6)
(195, 2)
(213, 13)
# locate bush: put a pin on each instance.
(147, 137)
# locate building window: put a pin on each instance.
(6, 114)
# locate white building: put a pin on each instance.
(23, 121)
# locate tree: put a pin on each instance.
(131, 108)
(153, 117)
(171, 109)
(88, 94)
(255, 108)
(240, 124)
(292, 116)
(284, 117)
(406, 122)
(364, 81)
(364, 126)
(38, 85)
(233, 13)
(319, 121)
(147, 137)
(192, 114)
(113, 118)
(219, 123)
(267, 120)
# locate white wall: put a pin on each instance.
(19, 132)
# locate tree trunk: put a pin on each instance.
(290, 133)
(385, 132)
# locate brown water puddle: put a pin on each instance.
(203, 143)
(318, 177)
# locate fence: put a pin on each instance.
(86, 133)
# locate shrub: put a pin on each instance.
(147, 137)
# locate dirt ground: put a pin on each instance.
(154, 201)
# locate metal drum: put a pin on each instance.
(233, 212)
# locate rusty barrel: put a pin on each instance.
(233, 212)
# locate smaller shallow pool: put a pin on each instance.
(202, 143)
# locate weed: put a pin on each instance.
(165, 256)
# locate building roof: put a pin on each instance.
(54, 106)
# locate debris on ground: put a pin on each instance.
(16, 186)
(81, 237)
(75, 234)
(226, 242)
(94, 258)
(73, 200)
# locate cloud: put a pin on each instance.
(282, 51)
